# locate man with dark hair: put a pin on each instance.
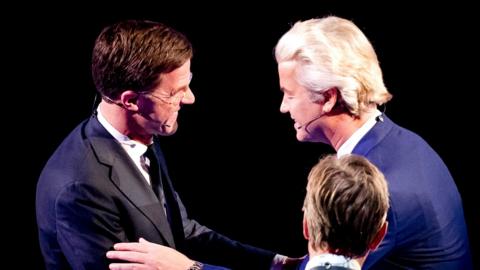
(108, 181)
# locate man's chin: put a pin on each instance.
(301, 136)
(167, 130)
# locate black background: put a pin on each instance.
(235, 160)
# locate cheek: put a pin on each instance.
(163, 112)
(307, 107)
(167, 115)
(298, 109)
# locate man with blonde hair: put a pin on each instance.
(345, 212)
(332, 84)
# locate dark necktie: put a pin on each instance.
(165, 194)
(154, 172)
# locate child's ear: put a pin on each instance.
(379, 236)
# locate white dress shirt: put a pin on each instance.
(333, 260)
(134, 149)
(348, 146)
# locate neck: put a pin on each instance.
(319, 251)
(361, 260)
(342, 126)
(315, 251)
(124, 121)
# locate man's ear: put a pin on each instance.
(330, 99)
(379, 236)
(305, 228)
(128, 100)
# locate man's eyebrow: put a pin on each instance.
(285, 90)
(179, 89)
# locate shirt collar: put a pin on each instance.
(333, 260)
(348, 146)
(131, 146)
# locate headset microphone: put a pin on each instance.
(379, 118)
(149, 118)
(309, 123)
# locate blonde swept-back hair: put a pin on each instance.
(346, 204)
(332, 52)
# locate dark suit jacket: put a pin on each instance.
(426, 225)
(91, 195)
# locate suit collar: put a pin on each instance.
(374, 136)
(126, 176)
(348, 146)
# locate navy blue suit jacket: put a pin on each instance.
(426, 225)
(91, 195)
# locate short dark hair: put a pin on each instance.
(131, 55)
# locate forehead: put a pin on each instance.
(178, 77)
(286, 73)
(286, 69)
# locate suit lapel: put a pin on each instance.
(126, 176)
(169, 193)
